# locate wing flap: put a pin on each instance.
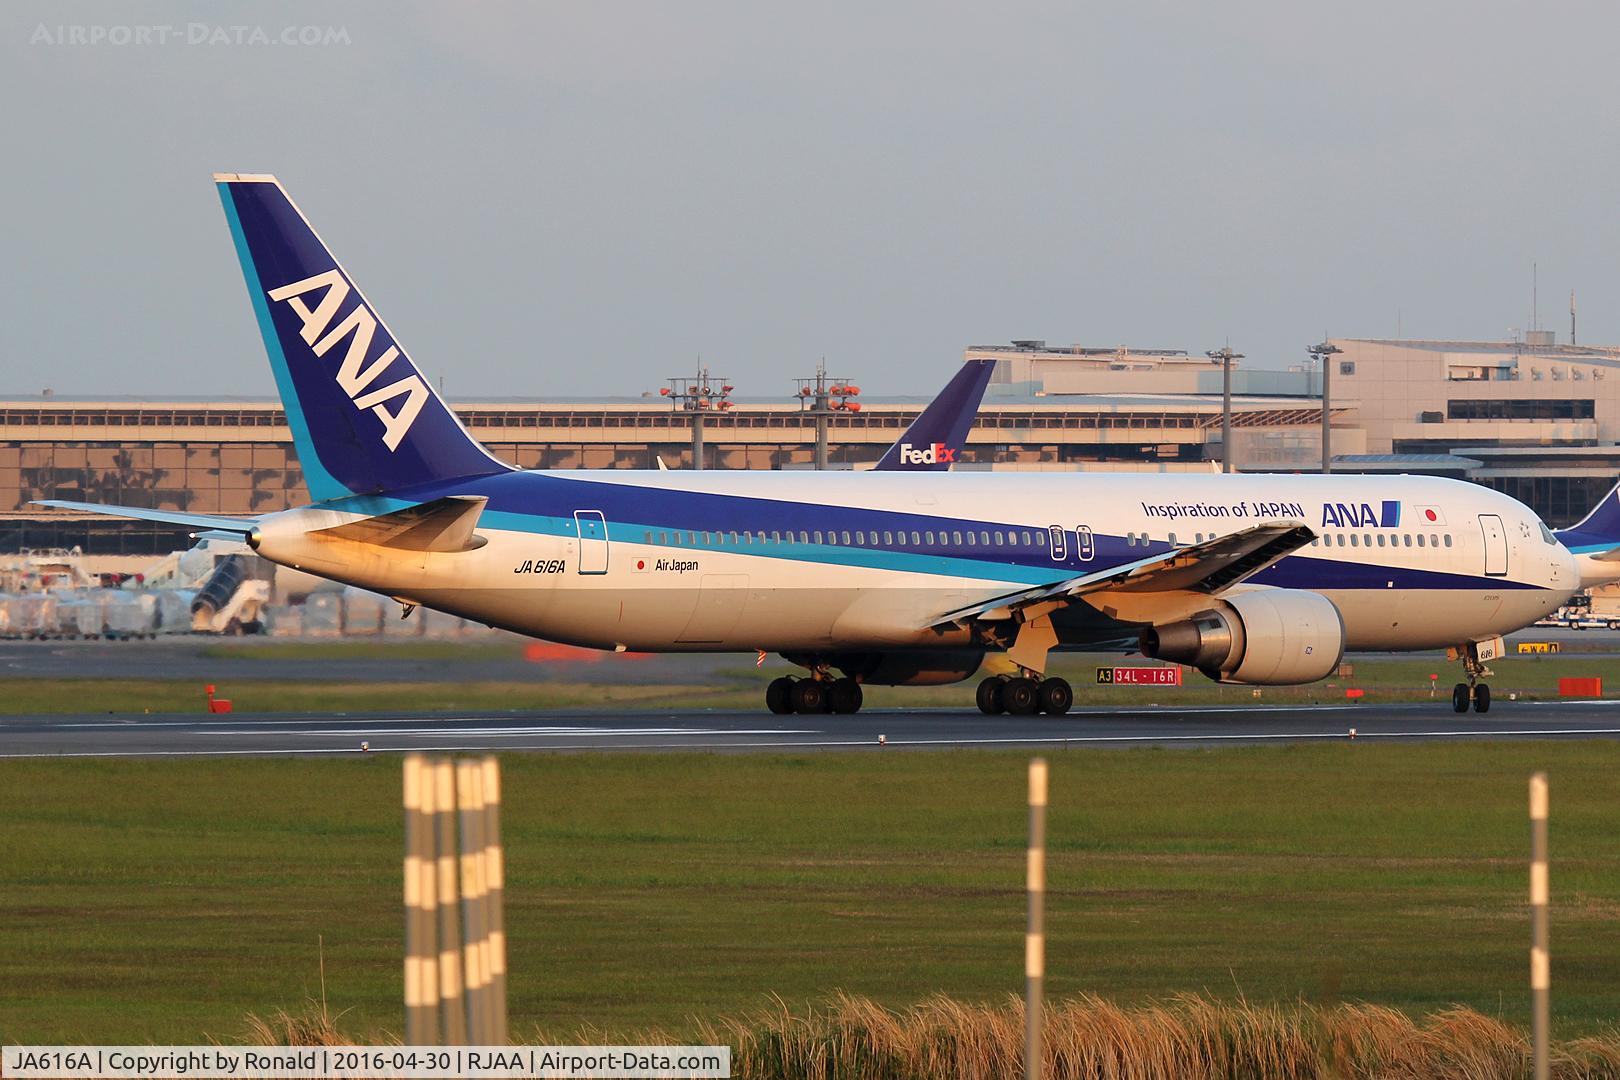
(1208, 567)
(441, 525)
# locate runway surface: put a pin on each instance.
(1171, 726)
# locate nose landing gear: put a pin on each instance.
(1473, 692)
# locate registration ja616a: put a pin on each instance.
(66, 1060)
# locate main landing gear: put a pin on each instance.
(1021, 695)
(1473, 692)
(813, 695)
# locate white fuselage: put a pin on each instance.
(730, 561)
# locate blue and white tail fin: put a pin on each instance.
(1599, 530)
(364, 418)
(933, 440)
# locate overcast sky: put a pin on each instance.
(583, 198)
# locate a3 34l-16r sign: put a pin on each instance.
(1140, 676)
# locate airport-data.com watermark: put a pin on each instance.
(195, 34)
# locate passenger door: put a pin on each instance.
(1496, 552)
(593, 541)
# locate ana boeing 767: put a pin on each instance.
(866, 577)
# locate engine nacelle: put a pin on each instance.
(1270, 637)
(904, 667)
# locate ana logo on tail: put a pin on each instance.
(355, 375)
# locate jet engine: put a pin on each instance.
(921, 667)
(1271, 637)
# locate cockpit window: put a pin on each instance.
(1546, 534)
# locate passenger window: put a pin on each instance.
(1040, 539)
(956, 538)
(733, 539)
(888, 538)
(1352, 539)
(1380, 539)
(928, 538)
(1448, 539)
(872, 537)
(1366, 539)
(860, 538)
(984, 539)
(818, 536)
(846, 538)
(916, 541)
(999, 539)
(1422, 541)
(1027, 541)
(1172, 539)
(1407, 538)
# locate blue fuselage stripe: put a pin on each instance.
(544, 504)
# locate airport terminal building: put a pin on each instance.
(1535, 419)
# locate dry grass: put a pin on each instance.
(1087, 1038)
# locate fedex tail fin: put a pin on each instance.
(932, 441)
(364, 418)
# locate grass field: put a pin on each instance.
(144, 900)
(741, 687)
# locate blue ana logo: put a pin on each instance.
(1362, 515)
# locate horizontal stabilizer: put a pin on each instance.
(441, 525)
(215, 522)
(1208, 567)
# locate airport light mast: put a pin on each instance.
(698, 396)
(821, 397)
(1224, 357)
(1324, 354)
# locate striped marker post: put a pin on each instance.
(495, 892)
(1035, 938)
(455, 925)
(428, 875)
(421, 1027)
(475, 951)
(1540, 961)
(453, 1009)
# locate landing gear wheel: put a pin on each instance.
(1482, 697)
(1056, 696)
(989, 697)
(1020, 696)
(809, 696)
(1459, 697)
(844, 696)
(779, 696)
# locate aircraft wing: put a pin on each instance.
(1208, 567)
(209, 522)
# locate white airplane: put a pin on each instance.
(866, 577)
